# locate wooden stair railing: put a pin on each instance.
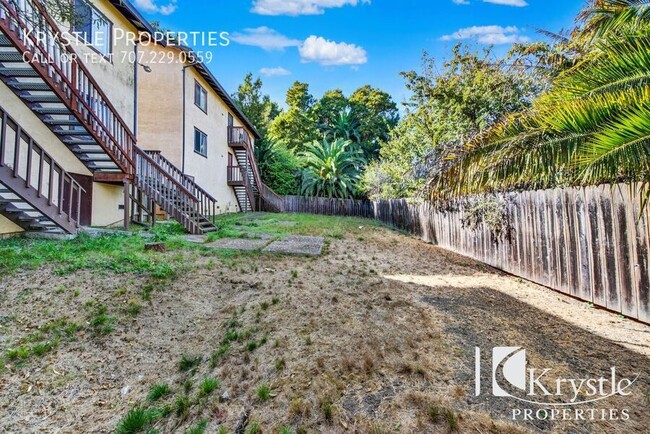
(238, 138)
(207, 201)
(273, 201)
(174, 198)
(36, 36)
(44, 197)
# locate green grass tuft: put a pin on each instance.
(137, 420)
(101, 322)
(254, 428)
(189, 363)
(209, 385)
(199, 428)
(263, 392)
(159, 391)
(182, 406)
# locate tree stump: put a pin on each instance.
(155, 247)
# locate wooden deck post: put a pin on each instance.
(127, 206)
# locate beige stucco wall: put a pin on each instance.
(211, 172)
(160, 124)
(160, 106)
(8, 227)
(107, 199)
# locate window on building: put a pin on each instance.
(200, 97)
(93, 27)
(200, 142)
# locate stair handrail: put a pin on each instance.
(139, 152)
(271, 197)
(209, 202)
(120, 139)
(171, 196)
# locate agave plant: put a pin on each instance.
(331, 169)
(593, 126)
(344, 125)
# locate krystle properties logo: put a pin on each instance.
(512, 377)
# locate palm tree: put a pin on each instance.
(344, 125)
(593, 126)
(331, 169)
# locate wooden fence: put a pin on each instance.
(591, 243)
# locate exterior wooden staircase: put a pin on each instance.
(175, 192)
(60, 90)
(50, 79)
(244, 177)
(35, 192)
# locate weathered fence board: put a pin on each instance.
(591, 243)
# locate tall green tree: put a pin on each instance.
(295, 126)
(593, 126)
(471, 93)
(329, 107)
(259, 108)
(377, 115)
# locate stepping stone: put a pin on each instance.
(246, 244)
(256, 236)
(197, 239)
(287, 224)
(297, 245)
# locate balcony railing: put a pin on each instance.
(236, 176)
(238, 136)
(34, 169)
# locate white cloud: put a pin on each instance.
(517, 3)
(150, 6)
(325, 52)
(493, 35)
(275, 72)
(299, 7)
(265, 38)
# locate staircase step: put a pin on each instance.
(12, 210)
(71, 141)
(52, 111)
(41, 98)
(6, 201)
(96, 158)
(62, 122)
(18, 72)
(11, 56)
(29, 86)
(78, 132)
(90, 151)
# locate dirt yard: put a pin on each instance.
(377, 335)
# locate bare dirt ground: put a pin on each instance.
(376, 336)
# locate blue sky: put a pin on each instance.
(348, 43)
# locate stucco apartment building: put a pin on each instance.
(91, 136)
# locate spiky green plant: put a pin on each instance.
(331, 169)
